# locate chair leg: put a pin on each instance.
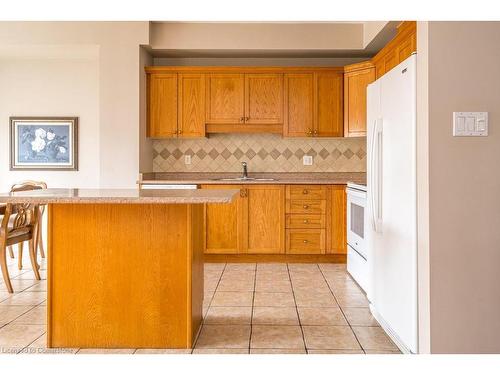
(40, 239)
(34, 263)
(11, 252)
(20, 255)
(5, 270)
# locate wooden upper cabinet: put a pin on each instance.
(398, 49)
(225, 98)
(162, 105)
(329, 105)
(357, 77)
(263, 98)
(266, 219)
(299, 105)
(191, 105)
(225, 224)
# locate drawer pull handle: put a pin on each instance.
(305, 206)
(306, 221)
(305, 241)
(305, 191)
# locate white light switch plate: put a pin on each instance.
(470, 124)
(307, 160)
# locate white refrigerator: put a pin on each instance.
(392, 203)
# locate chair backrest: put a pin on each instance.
(26, 214)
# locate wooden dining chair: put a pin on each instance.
(25, 186)
(19, 223)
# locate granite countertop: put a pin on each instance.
(318, 178)
(125, 196)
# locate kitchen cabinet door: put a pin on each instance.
(407, 47)
(338, 217)
(225, 224)
(299, 105)
(162, 105)
(225, 101)
(263, 98)
(355, 85)
(191, 105)
(329, 105)
(266, 219)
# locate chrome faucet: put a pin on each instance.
(245, 171)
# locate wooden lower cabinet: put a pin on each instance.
(278, 219)
(225, 224)
(266, 219)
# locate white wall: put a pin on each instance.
(52, 87)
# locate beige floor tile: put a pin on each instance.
(360, 316)
(208, 295)
(303, 267)
(374, 338)
(18, 285)
(25, 298)
(276, 337)
(318, 289)
(332, 267)
(383, 352)
(229, 315)
(14, 337)
(352, 300)
(40, 286)
(4, 295)
(272, 267)
(275, 286)
(37, 315)
(163, 351)
(9, 313)
(106, 351)
(235, 285)
(274, 299)
(278, 351)
(329, 337)
(232, 299)
(268, 277)
(240, 267)
(220, 351)
(223, 337)
(321, 316)
(334, 351)
(39, 346)
(275, 316)
(29, 275)
(308, 299)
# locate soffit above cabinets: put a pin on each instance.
(269, 39)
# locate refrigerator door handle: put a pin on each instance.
(372, 173)
(376, 156)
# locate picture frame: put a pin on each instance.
(44, 143)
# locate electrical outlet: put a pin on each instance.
(187, 159)
(307, 160)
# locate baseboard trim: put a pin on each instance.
(275, 258)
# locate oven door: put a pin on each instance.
(356, 208)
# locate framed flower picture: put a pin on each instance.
(44, 143)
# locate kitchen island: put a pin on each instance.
(125, 267)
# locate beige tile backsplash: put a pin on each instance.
(262, 152)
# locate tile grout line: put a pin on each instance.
(342, 310)
(209, 304)
(253, 304)
(297, 310)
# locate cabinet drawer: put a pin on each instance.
(305, 221)
(305, 241)
(299, 206)
(307, 192)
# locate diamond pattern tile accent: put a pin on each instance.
(224, 152)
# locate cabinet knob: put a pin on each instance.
(309, 132)
(247, 118)
(243, 193)
(305, 241)
(179, 131)
(315, 132)
(242, 119)
(305, 206)
(305, 191)
(306, 221)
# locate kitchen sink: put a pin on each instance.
(244, 179)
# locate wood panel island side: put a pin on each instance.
(125, 267)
